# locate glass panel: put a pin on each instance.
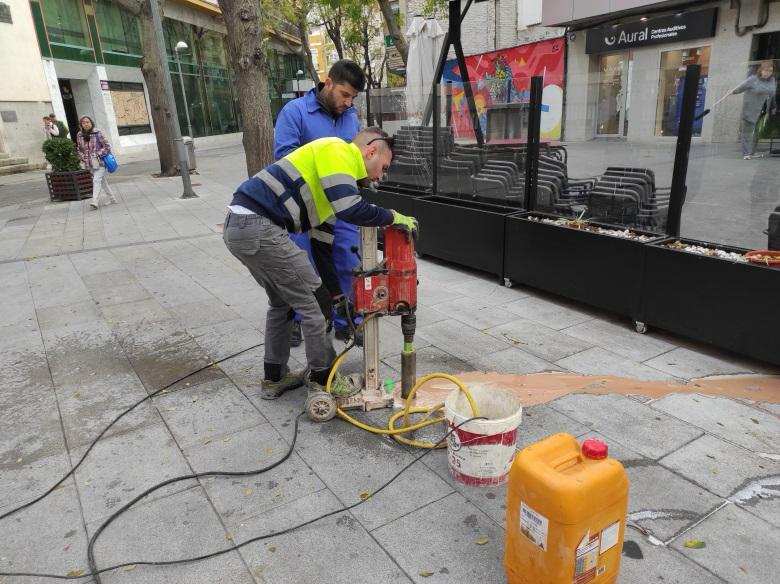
(670, 94)
(398, 110)
(732, 201)
(613, 92)
(493, 110)
(66, 23)
(216, 80)
(132, 115)
(186, 72)
(119, 30)
(608, 173)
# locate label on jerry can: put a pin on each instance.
(587, 558)
(534, 526)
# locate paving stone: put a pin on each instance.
(637, 426)
(719, 466)
(63, 317)
(432, 360)
(771, 407)
(54, 282)
(620, 339)
(490, 500)
(203, 313)
(120, 467)
(462, 342)
(761, 497)
(210, 410)
(238, 498)
(178, 526)
(95, 262)
(513, 361)
(478, 314)
(489, 291)
(541, 421)
(688, 364)
(115, 287)
(598, 361)
(23, 481)
(664, 503)
(540, 340)
(426, 314)
(739, 549)
(431, 292)
(749, 427)
(451, 552)
(225, 338)
(643, 563)
(336, 550)
(47, 537)
(350, 462)
(556, 314)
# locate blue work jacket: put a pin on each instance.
(303, 120)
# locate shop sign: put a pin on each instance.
(683, 26)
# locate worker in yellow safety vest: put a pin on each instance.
(305, 192)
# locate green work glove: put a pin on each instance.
(406, 223)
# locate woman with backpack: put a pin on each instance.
(92, 147)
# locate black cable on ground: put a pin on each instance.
(235, 547)
(114, 421)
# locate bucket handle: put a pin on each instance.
(566, 461)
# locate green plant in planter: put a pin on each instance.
(61, 154)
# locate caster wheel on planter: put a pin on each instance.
(640, 327)
(321, 407)
(508, 283)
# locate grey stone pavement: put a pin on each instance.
(100, 308)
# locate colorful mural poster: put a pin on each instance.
(505, 77)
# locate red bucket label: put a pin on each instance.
(480, 459)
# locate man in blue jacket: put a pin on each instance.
(326, 111)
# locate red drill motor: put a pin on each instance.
(391, 289)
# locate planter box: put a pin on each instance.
(597, 269)
(404, 203)
(467, 233)
(729, 305)
(69, 186)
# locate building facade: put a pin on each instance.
(83, 57)
(626, 60)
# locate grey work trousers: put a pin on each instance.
(284, 271)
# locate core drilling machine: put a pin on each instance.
(386, 288)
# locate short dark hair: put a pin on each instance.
(373, 134)
(52, 116)
(346, 71)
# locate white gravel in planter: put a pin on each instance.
(621, 233)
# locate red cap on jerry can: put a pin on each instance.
(595, 449)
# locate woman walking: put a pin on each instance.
(759, 90)
(92, 147)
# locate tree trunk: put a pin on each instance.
(152, 70)
(244, 23)
(333, 28)
(367, 53)
(395, 31)
(303, 25)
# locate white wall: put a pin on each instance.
(21, 72)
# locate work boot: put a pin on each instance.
(297, 335)
(290, 380)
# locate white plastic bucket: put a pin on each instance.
(481, 452)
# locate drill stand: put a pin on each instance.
(388, 289)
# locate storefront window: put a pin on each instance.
(614, 84)
(129, 100)
(670, 84)
(191, 101)
(217, 83)
(66, 23)
(118, 29)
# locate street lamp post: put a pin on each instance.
(181, 153)
(182, 46)
(298, 75)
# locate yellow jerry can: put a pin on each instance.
(565, 513)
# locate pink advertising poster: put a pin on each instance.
(504, 77)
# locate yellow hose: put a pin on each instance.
(391, 430)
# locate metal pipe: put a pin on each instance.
(532, 146)
(183, 93)
(409, 355)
